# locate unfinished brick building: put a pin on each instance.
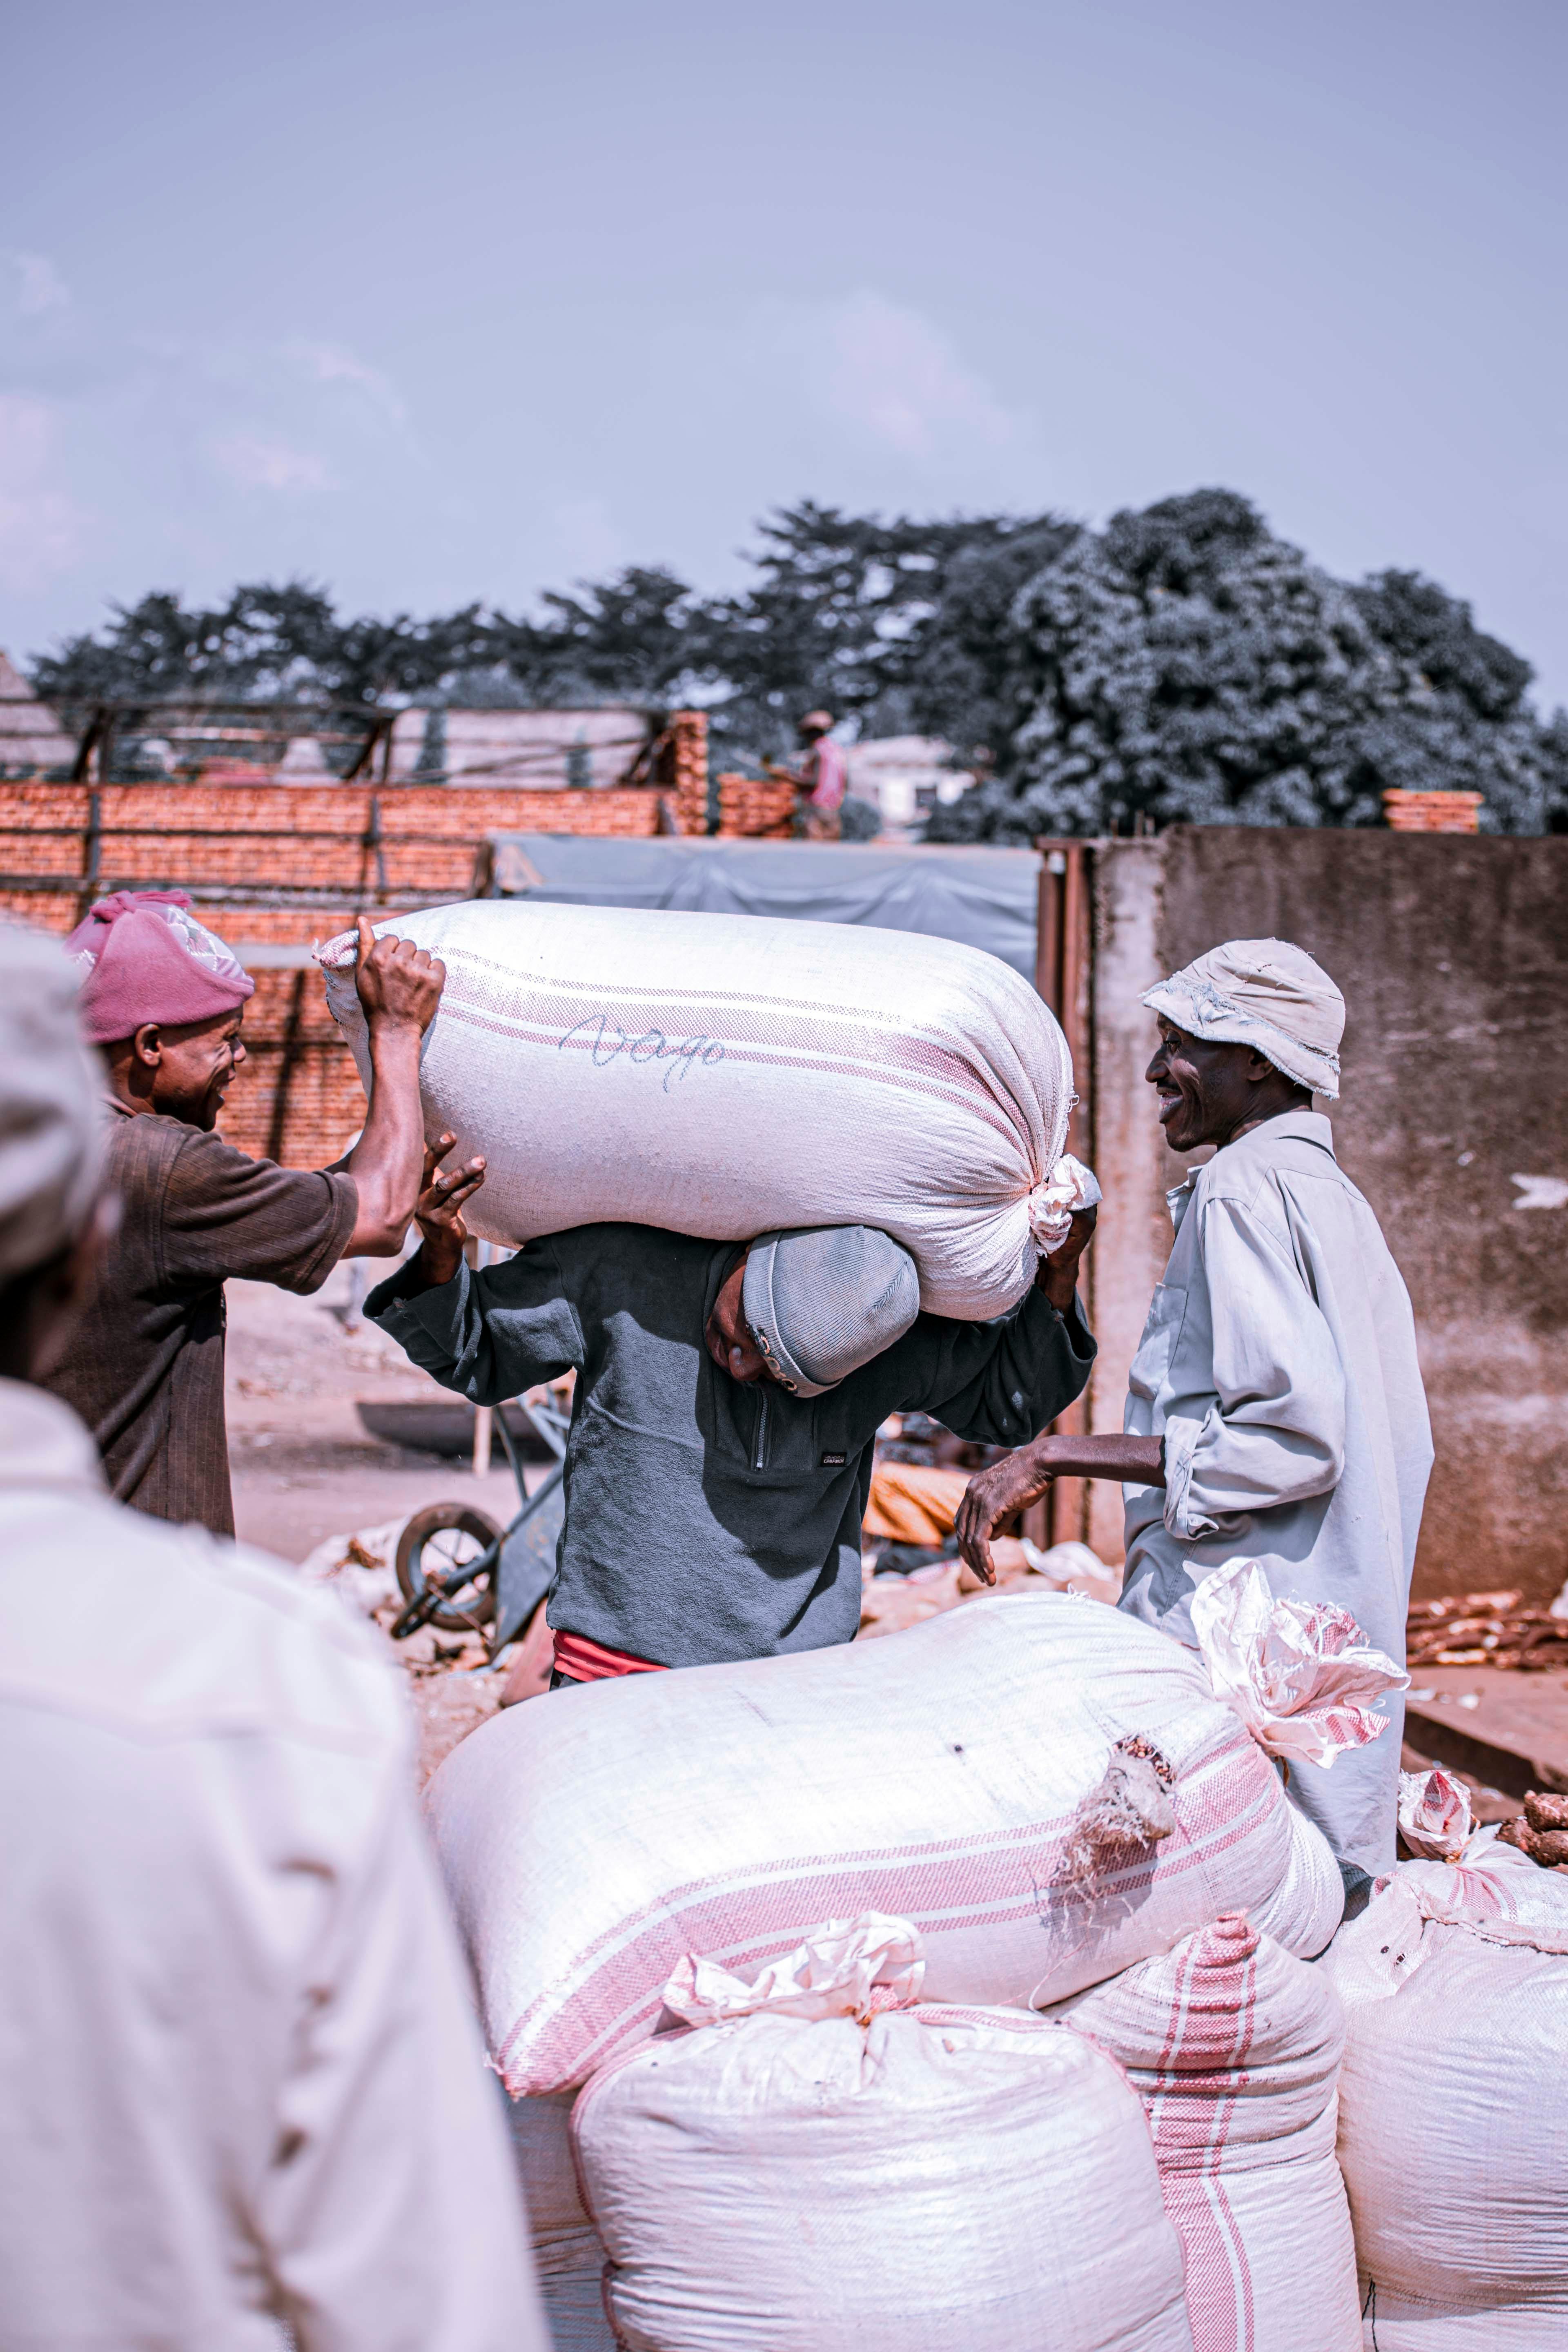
(276, 867)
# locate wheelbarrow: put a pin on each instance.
(458, 1571)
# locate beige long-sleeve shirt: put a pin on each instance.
(1279, 1364)
(240, 2084)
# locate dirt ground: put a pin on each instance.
(306, 1471)
(303, 1466)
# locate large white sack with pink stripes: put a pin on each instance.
(813, 2171)
(1047, 1787)
(1235, 2047)
(1454, 2103)
(726, 1075)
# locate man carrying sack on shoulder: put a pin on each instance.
(728, 1397)
(1275, 1406)
(162, 998)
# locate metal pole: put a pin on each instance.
(478, 1254)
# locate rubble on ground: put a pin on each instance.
(1487, 1629)
(450, 1688)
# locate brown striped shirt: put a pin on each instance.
(144, 1370)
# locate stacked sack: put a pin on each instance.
(1057, 1798)
(1047, 1788)
(727, 1075)
(1454, 2091)
(1235, 2047)
(824, 2164)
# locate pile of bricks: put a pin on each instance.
(1439, 811)
(682, 770)
(756, 809)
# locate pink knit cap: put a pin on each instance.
(142, 956)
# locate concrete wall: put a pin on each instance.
(1452, 956)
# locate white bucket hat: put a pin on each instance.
(1265, 994)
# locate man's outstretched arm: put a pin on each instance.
(1020, 1478)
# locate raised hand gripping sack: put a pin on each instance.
(818, 2175)
(1454, 2104)
(1047, 1787)
(1235, 2047)
(724, 1075)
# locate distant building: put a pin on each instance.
(32, 740)
(904, 777)
(545, 749)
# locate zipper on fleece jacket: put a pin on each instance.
(760, 1433)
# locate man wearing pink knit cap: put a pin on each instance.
(163, 998)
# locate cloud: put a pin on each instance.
(890, 370)
(330, 364)
(256, 464)
(42, 528)
(39, 288)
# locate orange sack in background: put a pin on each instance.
(911, 1504)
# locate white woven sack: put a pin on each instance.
(1454, 2106)
(1234, 2049)
(568, 2254)
(726, 1075)
(965, 1775)
(902, 2182)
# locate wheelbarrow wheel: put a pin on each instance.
(436, 1540)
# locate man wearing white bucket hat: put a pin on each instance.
(1276, 1408)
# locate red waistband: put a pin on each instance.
(591, 1662)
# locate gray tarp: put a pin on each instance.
(987, 898)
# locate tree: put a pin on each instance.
(1181, 663)
(639, 637)
(266, 642)
(1184, 663)
(878, 621)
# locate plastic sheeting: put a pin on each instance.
(986, 897)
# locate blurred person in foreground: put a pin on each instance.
(163, 997)
(1274, 1407)
(240, 2086)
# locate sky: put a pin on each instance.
(436, 304)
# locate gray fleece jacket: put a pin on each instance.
(706, 1521)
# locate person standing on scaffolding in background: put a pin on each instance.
(822, 779)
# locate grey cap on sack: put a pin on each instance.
(823, 1300)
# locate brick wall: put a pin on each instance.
(299, 1098)
(279, 866)
(310, 852)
